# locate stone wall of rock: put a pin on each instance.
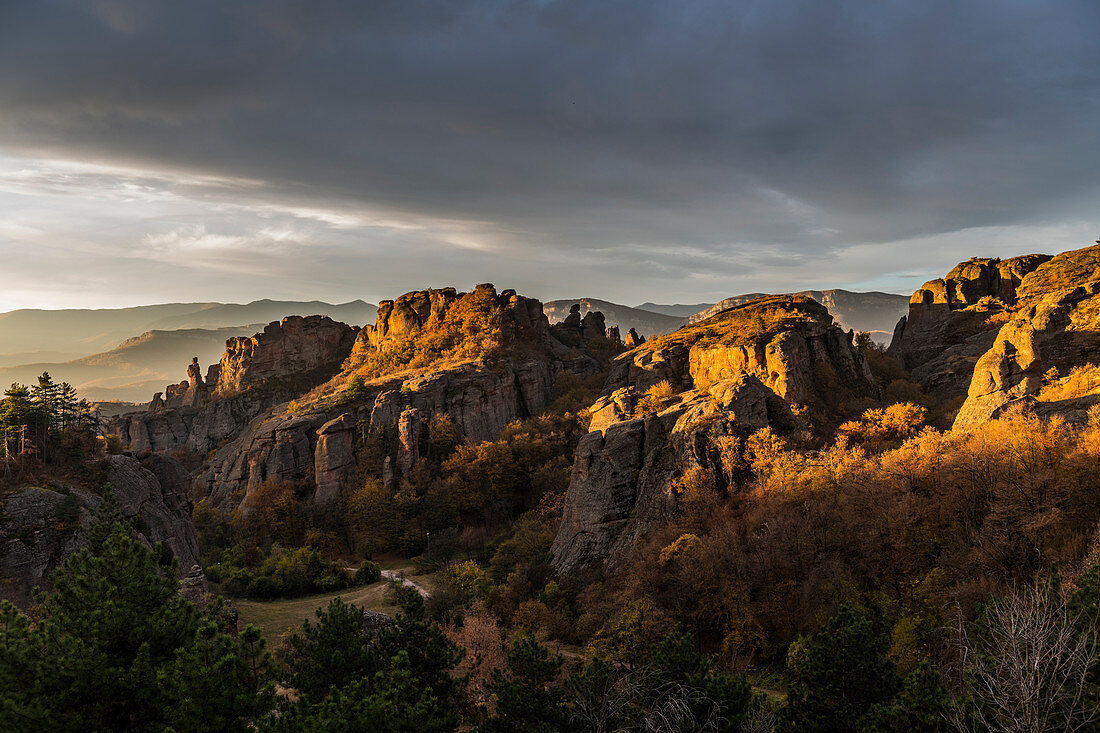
(422, 310)
(33, 540)
(284, 349)
(726, 386)
(318, 441)
(953, 320)
(252, 437)
(1054, 327)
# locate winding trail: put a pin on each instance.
(396, 577)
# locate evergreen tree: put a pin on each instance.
(922, 706)
(114, 646)
(837, 675)
(332, 653)
(529, 695)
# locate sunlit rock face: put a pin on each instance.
(1040, 357)
(241, 417)
(953, 320)
(777, 362)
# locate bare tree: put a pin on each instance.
(1027, 668)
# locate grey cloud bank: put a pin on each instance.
(154, 151)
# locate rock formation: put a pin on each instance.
(40, 526)
(727, 377)
(1053, 328)
(953, 320)
(293, 347)
(254, 437)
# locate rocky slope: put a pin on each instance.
(480, 358)
(40, 525)
(683, 404)
(953, 320)
(1045, 355)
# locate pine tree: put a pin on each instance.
(331, 653)
(529, 695)
(114, 646)
(837, 675)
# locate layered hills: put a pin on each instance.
(35, 335)
(135, 368)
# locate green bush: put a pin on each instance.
(369, 572)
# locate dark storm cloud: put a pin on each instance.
(663, 140)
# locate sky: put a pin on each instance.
(667, 151)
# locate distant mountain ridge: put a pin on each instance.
(645, 322)
(136, 368)
(679, 309)
(82, 332)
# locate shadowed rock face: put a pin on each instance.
(953, 320)
(731, 375)
(34, 539)
(1054, 324)
(293, 346)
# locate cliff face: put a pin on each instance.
(1044, 355)
(286, 349)
(40, 526)
(255, 437)
(727, 377)
(953, 320)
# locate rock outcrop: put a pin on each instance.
(284, 350)
(873, 312)
(254, 435)
(40, 526)
(675, 405)
(953, 320)
(288, 357)
(1053, 329)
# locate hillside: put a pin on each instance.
(73, 333)
(679, 309)
(874, 312)
(136, 368)
(647, 323)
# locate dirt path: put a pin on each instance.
(395, 576)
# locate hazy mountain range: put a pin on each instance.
(35, 335)
(136, 368)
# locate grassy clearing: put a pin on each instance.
(274, 618)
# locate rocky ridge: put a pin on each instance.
(254, 435)
(953, 320)
(680, 404)
(1044, 356)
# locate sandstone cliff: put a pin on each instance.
(480, 358)
(953, 320)
(1044, 356)
(683, 404)
(294, 348)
